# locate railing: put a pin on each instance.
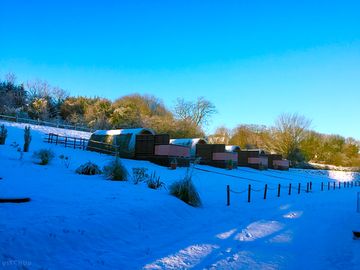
(66, 141)
(43, 123)
(290, 189)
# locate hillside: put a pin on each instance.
(87, 222)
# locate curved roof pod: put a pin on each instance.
(232, 148)
(100, 137)
(189, 142)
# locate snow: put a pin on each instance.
(87, 222)
(123, 131)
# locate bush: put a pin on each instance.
(3, 134)
(186, 191)
(89, 168)
(27, 138)
(139, 175)
(44, 155)
(154, 181)
(116, 171)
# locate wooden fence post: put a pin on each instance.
(290, 189)
(334, 186)
(65, 142)
(328, 185)
(339, 185)
(265, 191)
(299, 188)
(310, 186)
(307, 187)
(322, 186)
(249, 193)
(228, 195)
(279, 190)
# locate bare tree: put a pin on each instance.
(10, 78)
(288, 133)
(199, 112)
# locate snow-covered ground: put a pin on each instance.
(87, 222)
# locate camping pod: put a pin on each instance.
(215, 155)
(120, 142)
(254, 158)
(157, 149)
(277, 162)
(191, 143)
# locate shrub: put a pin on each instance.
(3, 134)
(88, 168)
(139, 175)
(27, 138)
(154, 181)
(66, 160)
(186, 191)
(116, 171)
(44, 155)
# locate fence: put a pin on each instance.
(290, 189)
(66, 141)
(43, 123)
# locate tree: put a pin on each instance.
(199, 112)
(221, 135)
(250, 136)
(287, 135)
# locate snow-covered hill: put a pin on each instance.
(87, 222)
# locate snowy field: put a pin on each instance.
(87, 222)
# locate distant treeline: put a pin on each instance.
(290, 136)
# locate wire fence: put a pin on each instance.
(58, 124)
(289, 189)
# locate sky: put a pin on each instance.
(253, 59)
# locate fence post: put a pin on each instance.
(57, 139)
(348, 184)
(279, 190)
(65, 142)
(322, 186)
(307, 187)
(328, 185)
(339, 185)
(265, 191)
(310, 186)
(299, 188)
(74, 143)
(352, 184)
(344, 184)
(334, 186)
(249, 193)
(228, 195)
(290, 189)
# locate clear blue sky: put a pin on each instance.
(253, 59)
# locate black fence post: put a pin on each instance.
(228, 195)
(344, 184)
(334, 186)
(265, 191)
(339, 185)
(307, 187)
(322, 186)
(279, 190)
(310, 186)
(65, 142)
(249, 193)
(290, 189)
(328, 185)
(299, 188)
